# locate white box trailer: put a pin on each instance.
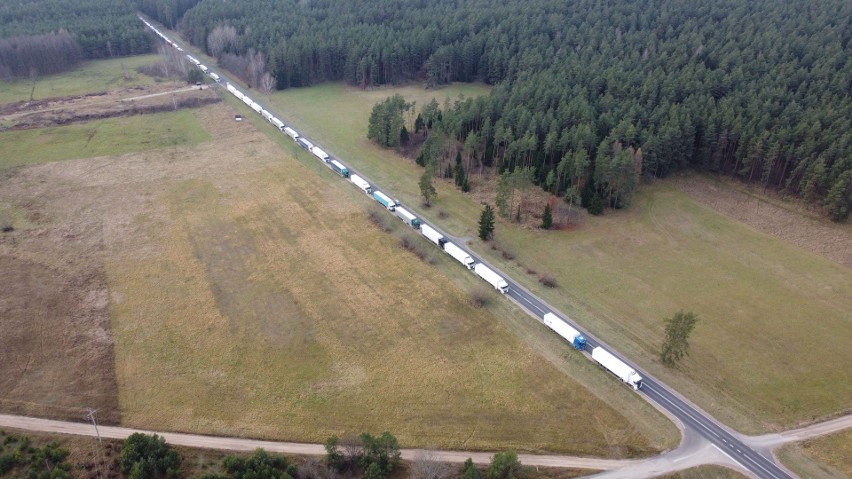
(254, 106)
(240, 95)
(459, 254)
(617, 367)
(291, 133)
(247, 100)
(278, 123)
(203, 68)
(433, 235)
(320, 154)
(565, 330)
(491, 277)
(361, 183)
(407, 217)
(231, 88)
(214, 76)
(304, 143)
(268, 116)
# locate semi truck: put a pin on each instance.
(320, 154)
(202, 67)
(291, 133)
(361, 183)
(231, 88)
(491, 277)
(254, 106)
(278, 123)
(265, 114)
(459, 254)
(339, 168)
(407, 217)
(617, 367)
(565, 330)
(304, 143)
(215, 77)
(385, 200)
(433, 235)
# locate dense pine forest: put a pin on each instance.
(40, 37)
(590, 96)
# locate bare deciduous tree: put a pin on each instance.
(267, 82)
(426, 466)
(220, 39)
(256, 68)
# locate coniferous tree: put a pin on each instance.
(486, 223)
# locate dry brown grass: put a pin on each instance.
(249, 295)
(821, 458)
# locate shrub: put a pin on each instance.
(547, 280)
(143, 456)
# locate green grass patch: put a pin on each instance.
(113, 136)
(90, 77)
(770, 312)
(705, 472)
(822, 458)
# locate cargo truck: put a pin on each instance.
(339, 168)
(361, 183)
(247, 100)
(565, 330)
(491, 277)
(254, 106)
(407, 217)
(433, 235)
(320, 154)
(304, 143)
(266, 115)
(291, 133)
(617, 367)
(278, 123)
(202, 67)
(385, 200)
(215, 77)
(459, 255)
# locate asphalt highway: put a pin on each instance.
(652, 389)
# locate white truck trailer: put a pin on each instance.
(361, 183)
(565, 330)
(320, 154)
(491, 277)
(304, 143)
(203, 68)
(407, 217)
(215, 77)
(266, 115)
(231, 88)
(247, 100)
(433, 235)
(278, 123)
(254, 106)
(291, 133)
(459, 255)
(617, 367)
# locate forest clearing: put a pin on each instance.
(206, 256)
(620, 274)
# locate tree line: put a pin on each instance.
(48, 36)
(591, 96)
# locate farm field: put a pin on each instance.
(822, 458)
(247, 293)
(90, 77)
(765, 305)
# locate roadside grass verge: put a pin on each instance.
(107, 137)
(821, 458)
(705, 472)
(770, 312)
(90, 77)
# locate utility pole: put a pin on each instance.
(90, 414)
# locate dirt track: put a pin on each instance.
(240, 444)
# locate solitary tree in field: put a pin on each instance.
(676, 344)
(486, 223)
(547, 217)
(427, 189)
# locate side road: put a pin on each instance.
(693, 451)
(240, 444)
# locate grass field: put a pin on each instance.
(705, 472)
(90, 77)
(249, 295)
(108, 137)
(822, 458)
(770, 312)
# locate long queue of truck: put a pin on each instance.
(604, 358)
